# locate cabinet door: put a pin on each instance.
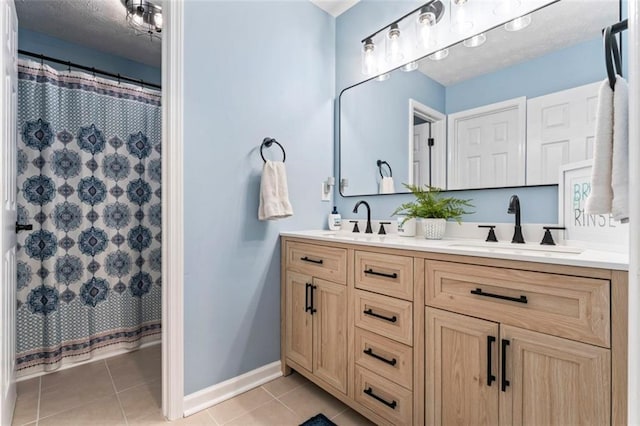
(299, 329)
(554, 381)
(461, 352)
(330, 333)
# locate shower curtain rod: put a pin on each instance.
(90, 69)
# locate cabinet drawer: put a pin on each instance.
(385, 398)
(385, 273)
(384, 315)
(390, 359)
(322, 262)
(573, 307)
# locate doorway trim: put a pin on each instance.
(438, 122)
(172, 211)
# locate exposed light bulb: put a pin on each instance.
(394, 47)
(411, 66)
(383, 77)
(369, 66)
(157, 20)
(426, 17)
(518, 23)
(475, 41)
(439, 55)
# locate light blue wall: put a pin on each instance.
(254, 69)
(563, 69)
(375, 119)
(50, 46)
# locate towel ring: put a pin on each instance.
(268, 142)
(380, 163)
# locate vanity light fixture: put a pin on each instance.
(411, 66)
(390, 46)
(518, 23)
(326, 188)
(475, 41)
(369, 66)
(439, 55)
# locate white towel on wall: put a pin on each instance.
(274, 192)
(599, 200)
(387, 186)
(620, 161)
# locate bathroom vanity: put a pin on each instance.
(410, 331)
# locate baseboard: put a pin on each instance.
(220, 392)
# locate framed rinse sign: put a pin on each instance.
(573, 189)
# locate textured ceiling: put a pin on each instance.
(554, 27)
(98, 24)
(334, 7)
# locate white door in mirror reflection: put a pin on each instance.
(427, 165)
(560, 130)
(487, 146)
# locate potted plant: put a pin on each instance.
(433, 209)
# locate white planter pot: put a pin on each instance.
(408, 228)
(434, 228)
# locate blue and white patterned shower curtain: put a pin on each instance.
(89, 182)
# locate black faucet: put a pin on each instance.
(355, 210)
(514, 208)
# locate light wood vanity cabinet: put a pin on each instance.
(409, 337)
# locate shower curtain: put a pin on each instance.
(89, 183)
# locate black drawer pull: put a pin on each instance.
(490, 377)
(505, 382)
(306, 259)
(369, 352)
(479, 292)
(20, 227)
(380, 274)
(373, 314)
(313, 289)
(393, 404)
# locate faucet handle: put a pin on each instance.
(547, 239)
(355, 226)
(491, 237)
(382, 230)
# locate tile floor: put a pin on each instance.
(126, 390)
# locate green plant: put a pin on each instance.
(430, 203)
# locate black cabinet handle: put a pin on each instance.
(505, 382)
(20, 227)
(490, 377)
(369, 352)
(373, 314)
(380, 274)
(307, 306)
(306, 259)
(313, 310)
(479, 292)
(393, 404)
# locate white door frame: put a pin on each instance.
(438, 122)
(172, 211)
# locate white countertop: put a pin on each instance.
(530, 252)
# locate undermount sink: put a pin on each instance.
(515, 248)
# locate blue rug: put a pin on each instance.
(318, 420)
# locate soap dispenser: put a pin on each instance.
(335, 220)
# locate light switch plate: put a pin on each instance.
(324, 196)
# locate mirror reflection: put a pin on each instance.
(503, 108)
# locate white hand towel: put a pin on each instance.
(599, 200)
(620, 162)
(274, 193)
(386, 185)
